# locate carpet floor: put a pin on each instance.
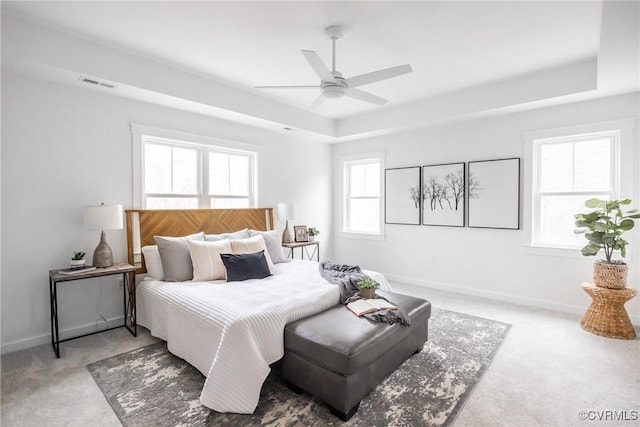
(150, 386)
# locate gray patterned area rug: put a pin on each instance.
(151, 387)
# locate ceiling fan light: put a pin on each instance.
(333, 92)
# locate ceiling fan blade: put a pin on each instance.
(319, 101)
(318, 66)
(289, 87)
(365, 96)
(376, 76)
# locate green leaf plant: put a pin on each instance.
(78, 255)
(604, 225)
(368, 283)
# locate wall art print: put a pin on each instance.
(493, 193)
(443, 188)
(402, 196)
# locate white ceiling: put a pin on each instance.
(451, 46)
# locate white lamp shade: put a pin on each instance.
(286, 211)
(103, 217)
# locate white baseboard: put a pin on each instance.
(499, 296)
(64, 334)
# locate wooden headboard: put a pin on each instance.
(181, 222)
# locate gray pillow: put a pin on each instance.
(175, 256)
(272, 240)
(240, 234)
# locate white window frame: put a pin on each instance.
(199, 194)
(623, 180)
(345, 163)
(204, 144)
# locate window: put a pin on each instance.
(180, 171)
(362, 188)
(230, 178)
(566, 168)
(570, 170)
(171, 176)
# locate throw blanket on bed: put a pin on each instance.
(346, 277)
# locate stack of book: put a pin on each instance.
(76, 270)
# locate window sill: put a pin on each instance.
(363, 236)
(553, 251)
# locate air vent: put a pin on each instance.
(86, 80)
(96, 82)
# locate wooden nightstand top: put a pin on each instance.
(298, 244)
(119, 268)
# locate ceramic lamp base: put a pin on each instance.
(286, 234)
(102, 256)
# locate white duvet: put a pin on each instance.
(232, 332)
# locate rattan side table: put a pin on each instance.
(606, 315)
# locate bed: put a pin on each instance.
(229, 331)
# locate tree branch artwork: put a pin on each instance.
(455, 182)
(402, 195)
(494, 194)
(450, 191)
(415, 195)
(474, 187)
(443, 191)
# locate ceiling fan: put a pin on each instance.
(334, 85)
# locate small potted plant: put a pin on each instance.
(603, 227)
(368, 287)
(78, 261)
(312, 232)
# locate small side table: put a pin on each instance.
(606, 315)
(304, 249)
(129, 299)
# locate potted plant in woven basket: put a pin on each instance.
(603, 227)
(368, 287)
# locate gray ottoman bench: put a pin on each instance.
(339, 357)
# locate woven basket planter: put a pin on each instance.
(367, 293)
(612, 276)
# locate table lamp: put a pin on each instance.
(103, 217)
(286, 211)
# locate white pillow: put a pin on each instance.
(207, 264)
(252, 245)
(240, 234)
(273, 241)
(153, 262)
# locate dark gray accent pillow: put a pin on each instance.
(240, 234)
(245, 266)
(175, 256)
(273, 242)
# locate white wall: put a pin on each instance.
(64, 148)
(484, 262)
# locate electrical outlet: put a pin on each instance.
(120, 283)
(434, 259)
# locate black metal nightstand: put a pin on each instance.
(304, 249)
(129, 298)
